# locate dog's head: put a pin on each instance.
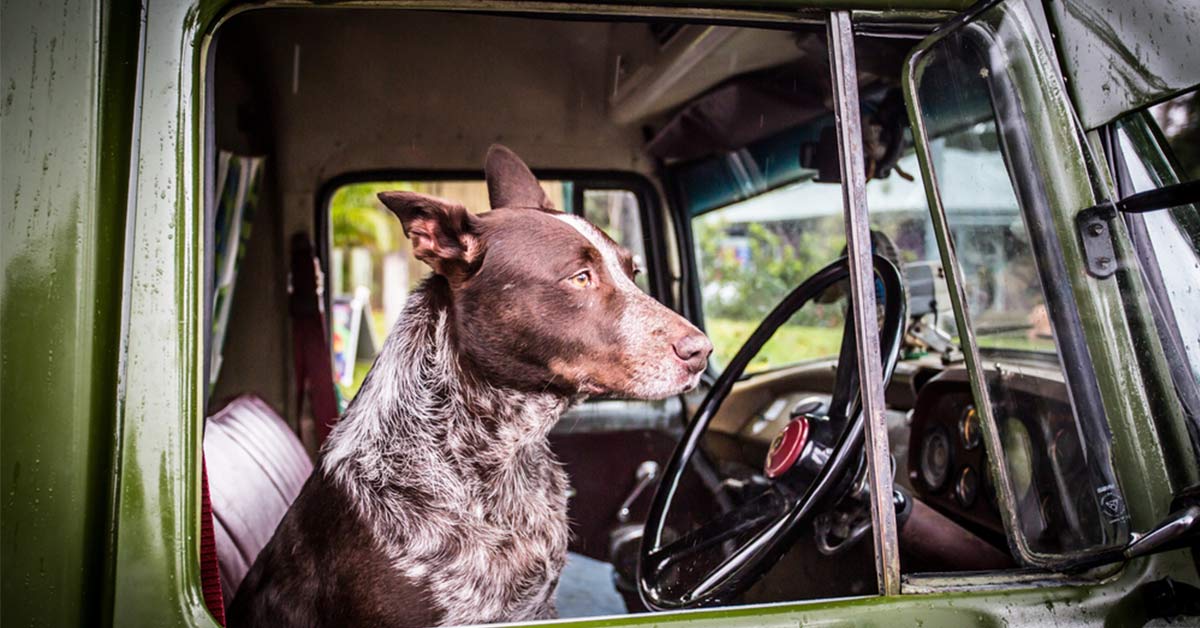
(544, 300)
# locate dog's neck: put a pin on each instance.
(418, 402)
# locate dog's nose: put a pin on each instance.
(693, 349)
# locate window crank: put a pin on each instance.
(646, 473)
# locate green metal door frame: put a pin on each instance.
(102, 303)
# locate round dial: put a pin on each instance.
(969, 430)
(967, 487)
(1018, 452)
(935, 458)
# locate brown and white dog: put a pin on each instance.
(437, 500)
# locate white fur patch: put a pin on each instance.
(644, 325)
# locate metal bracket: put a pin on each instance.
(1094, 233)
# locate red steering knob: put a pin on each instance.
(786, 447)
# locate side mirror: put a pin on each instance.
(1180, 529)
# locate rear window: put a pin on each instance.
(371, 269)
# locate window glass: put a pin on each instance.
(1178, 120)
(752, 253)
(1061, 487)
(1151, 155)
(996, 261)
(1173, 234)
(1160, 149)
(372, 269)
(617, 213)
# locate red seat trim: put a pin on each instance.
(210, 572)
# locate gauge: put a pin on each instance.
(1018, 453)
(935, 458)
(969, 429)
(967, 487)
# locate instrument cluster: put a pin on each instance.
(947, 464)
(1042, 455)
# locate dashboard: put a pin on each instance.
(937, 440)
(1044, 456)
(759, 407)
(947, 462)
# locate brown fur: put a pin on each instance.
(438, 500)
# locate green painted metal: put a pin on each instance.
(99, 438)
(1121, 55)
(65, 135)
(1064, 159)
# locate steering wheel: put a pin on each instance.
(810, 464)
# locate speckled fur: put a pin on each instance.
(438, 499)
(455, 478)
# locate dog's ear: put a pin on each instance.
(444, 234)
(510, 183)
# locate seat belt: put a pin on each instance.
(310, 348)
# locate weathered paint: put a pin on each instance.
(77, 550)
(1121, 55)
(64, 162)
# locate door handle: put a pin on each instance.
(646, 473)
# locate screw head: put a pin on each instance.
(1095, 229)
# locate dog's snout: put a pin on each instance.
(693, 349)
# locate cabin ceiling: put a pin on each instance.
(334, 91)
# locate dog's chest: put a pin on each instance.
(503, 550)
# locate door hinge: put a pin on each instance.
(1095, 234)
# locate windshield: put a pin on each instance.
(751, 253)
(999, 275)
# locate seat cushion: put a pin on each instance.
(256, 467)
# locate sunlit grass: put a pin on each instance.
(789, 345)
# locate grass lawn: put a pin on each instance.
(790, 344)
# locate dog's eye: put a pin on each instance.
(581, 279)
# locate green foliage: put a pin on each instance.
(776, 257)
(359, 219)
(748, 268)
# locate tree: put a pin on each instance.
(359, 219)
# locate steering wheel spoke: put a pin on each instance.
(742, 519)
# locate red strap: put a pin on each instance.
(313, 361)
(210, 568)
(314, 372)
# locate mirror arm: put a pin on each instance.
(1178, 530)
(1175, 531)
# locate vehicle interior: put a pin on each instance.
(707, 146)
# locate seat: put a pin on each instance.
(256, 467)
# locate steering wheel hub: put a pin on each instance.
(786, 448)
